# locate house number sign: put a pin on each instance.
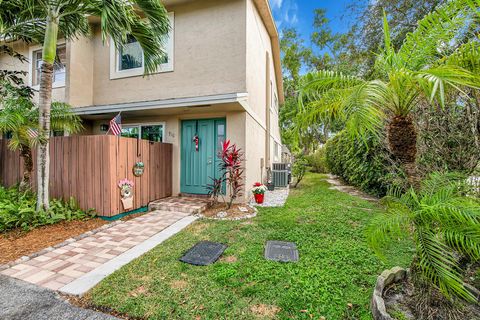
(138, 169)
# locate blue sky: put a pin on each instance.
(299, 14)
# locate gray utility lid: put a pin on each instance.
(204, 253)
(281, 251)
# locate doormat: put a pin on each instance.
(204, 253)
(281, 251)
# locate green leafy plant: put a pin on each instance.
(299, 168)
(17, 210)
(19, 117)
(215, 189)
(45, 21)
(231, 169)
(431, 62)
(444, 225)
(317, 161)
(364, 163)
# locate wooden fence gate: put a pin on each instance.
(88, 168)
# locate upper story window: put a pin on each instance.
(128, 61)
(59, 66)
(130, 56)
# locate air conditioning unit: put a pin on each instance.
(280, 173)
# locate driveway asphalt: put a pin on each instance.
(20, 300)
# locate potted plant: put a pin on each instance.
(258, 191)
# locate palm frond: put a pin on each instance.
(439, 265)
(435, 80)
(465, 240)
(467, 56)
(64, 119)
(333, 95)
(435, 34)
(387, 228)
(315, 84)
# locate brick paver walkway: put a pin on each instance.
(63, 265)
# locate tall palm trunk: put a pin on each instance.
(402, 140)
(26, 154)
(45, 102)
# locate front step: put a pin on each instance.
(180, 204)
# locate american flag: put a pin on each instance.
(32, 133)
(116, 125)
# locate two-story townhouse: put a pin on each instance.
(222, 80)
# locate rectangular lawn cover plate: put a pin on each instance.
(204, 253)
(281, 251)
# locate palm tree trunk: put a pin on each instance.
(402, 140)
(45, 101)
(26, 154)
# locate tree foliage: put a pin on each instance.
(44, 21)
(425, 68)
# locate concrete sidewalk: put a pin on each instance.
(20, 300)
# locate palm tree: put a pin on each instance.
(429, 65)
(44, 21)
(19, 117)
(442, 222)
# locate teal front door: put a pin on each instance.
(199, 164)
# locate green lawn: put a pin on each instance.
(334, 278)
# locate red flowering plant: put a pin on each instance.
(231, 167)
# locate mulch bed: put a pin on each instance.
(18, 243)
(219, 211)
(404, 298)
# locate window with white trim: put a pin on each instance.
(128, 61)
(130, 56)
(150, 132)
(59, 66)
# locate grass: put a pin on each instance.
(334, 278)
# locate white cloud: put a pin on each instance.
(285, 12)
(276, 4)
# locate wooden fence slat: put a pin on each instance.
(88, 168)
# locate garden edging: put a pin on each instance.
(379, 310)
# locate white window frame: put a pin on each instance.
(140, 125)
(31, 66)
(116, 73)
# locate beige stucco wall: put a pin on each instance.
(80, 70)
(261, 81)
(255, 150)
(9, 63)
(209, 55)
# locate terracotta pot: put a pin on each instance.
(259, 197)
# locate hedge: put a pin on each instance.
(363, 162)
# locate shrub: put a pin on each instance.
(443, 225)
(17, 210)
(231, 167)
(299, 169)
(364, 163)
(317, 161)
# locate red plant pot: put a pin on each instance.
(259, 198)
